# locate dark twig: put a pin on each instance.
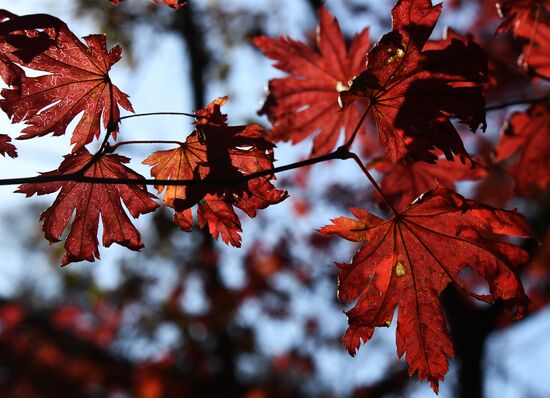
(112, 148)
(79, 177)
(540, 76)
(156, 114)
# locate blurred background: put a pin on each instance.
(190, 317)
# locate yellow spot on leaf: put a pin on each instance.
(394, 54)
(400, 269)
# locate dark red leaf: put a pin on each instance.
(536, 53)
(413, 92)
(525, 140)
(89, 201)
(15, 42)
(522, 17)
(306, 103)
(9, 72)
(77, 80)
(28, 35)
(408, 260)
(405, 181)
(6, 147)
(529, 20)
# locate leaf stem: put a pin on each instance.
(111, 127)
(373, 182)
(349, 142)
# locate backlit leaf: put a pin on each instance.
(77, 80)
(407, 261)
(89, 201)
(306, 102)
(413, 92)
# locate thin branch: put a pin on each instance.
(156, 114)
(534, 73)
(112, 148)
(489, 108)
(523, 101)
(373, 182)
(340, 153)
(78, 177)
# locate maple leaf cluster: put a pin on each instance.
(529, 21)
(413, 87)
(408, 88)
(216, 152)
(77, 82)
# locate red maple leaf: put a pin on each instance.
(9, 72)
(535, 56)
(407, 261)
(15, 40)
(523, 17)
(413, 92)
(89, 201)
(306, 103)
(405, 181)
(28, 35)
(77, 80)
(6, 147)
(529, 20)
(494, 67)
(525, 140)
(222, 155)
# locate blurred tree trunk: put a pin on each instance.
(224, 380)
(185, 24)
(470, 326)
